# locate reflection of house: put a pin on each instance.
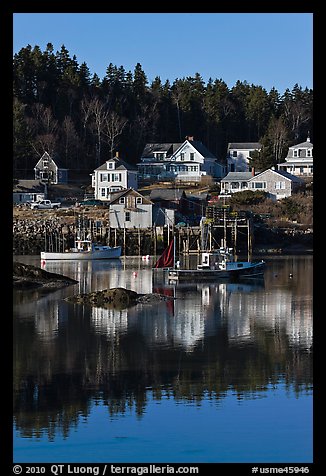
(130, 209)
(28, 191)
(49, 170)
(183, 162)
(299, 160)
(109, 321)
(238, 155)
(114, 175)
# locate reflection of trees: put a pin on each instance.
(55, 383)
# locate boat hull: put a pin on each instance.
(110, 253)
(189, 275)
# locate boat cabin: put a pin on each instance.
(216, 259)
(83, 245)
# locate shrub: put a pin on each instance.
(247, 197)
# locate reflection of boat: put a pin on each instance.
(214, 265)
(84, 250)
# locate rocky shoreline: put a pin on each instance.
(30, 277)
(26, 277)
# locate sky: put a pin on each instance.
(264, 49)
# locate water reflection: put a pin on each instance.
(210, 338)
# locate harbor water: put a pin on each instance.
(217, 373)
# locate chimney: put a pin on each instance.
(253, 171)
(189, 137)
(117, 154)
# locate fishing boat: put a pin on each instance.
(215, 265)
(84, 249)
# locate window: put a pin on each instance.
(182, 156)
(192, 156)
(116, 177)
(280, 185)
(295, 153)
(122, 200)
(309, 153)
(111, 165)
(139, 200)
(45, 163)
(103, 190)
(103, 177)
(234, 153)
(258, 185)
(127, 216)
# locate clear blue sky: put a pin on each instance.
(266, 49)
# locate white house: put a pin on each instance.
(114, 175)
(238, 155)
(182, 162)
(235, 182)
(299, 159)
(130, 209)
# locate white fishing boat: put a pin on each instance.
(84, 250)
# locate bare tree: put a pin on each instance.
(113, 127)
(70, 139)
(99, 116)
(45, 129)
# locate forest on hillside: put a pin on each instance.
(59, 107)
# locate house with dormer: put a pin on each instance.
(239, 154)
(113, 176)
(187, 162)
(299, 159)
(49, 170)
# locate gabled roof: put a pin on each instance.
(120, 165)
(244, 145)
(28, 186)
(55, 158)
(202, 149)
(166, 194)
(282, 173)
(124, 193)
(237, 176)
(168, 147)
(303, 145)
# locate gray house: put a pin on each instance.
(130, 209)
(277, 183)
(26, 191)
(49, 170)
